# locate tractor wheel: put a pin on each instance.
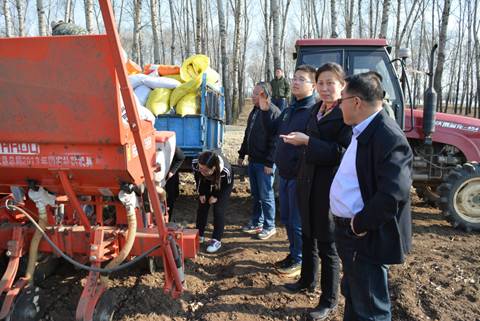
(428, 194)
(460, 196)
(106, 307)
(154, 264)
(27, 306)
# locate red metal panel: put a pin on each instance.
(58, 89)
(341, 42)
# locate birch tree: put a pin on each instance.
(156, 38)
(89, 15)
(385, 14)
(137, 11)
(437, 82)
(21, 17)
(198, 29)
(223, 50)
(333, 18)
(42, 21)
(172, 31)
(276, 33)
(236, 54)
(8, 19)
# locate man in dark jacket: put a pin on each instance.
(259, 145)
(292, 119)
(370, 200)
(280, 89)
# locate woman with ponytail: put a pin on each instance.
(214, 178)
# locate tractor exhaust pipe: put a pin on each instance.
(430, 102)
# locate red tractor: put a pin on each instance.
(446, 147)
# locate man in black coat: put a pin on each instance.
(259, 144)
(370, 200)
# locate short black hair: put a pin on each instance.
(266, 87)
(309, 69)
(367, 86)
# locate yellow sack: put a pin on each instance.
(189, 87)
(194, 66)
(188, 105)
(158, 101)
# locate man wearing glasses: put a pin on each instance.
(293, 119)
(370, 200)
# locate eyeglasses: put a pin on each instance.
(346, 98)
(301, 80)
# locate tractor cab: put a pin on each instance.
(356, 56)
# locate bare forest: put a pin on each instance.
(247, 39)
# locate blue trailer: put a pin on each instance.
(197, 133)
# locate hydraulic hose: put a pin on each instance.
(131, 233)
(72, 261)
(37, 237)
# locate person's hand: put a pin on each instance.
(170, 174)
(267, 170)
(353, 229)
(212, 200)
(202, 199)
(240, 161)
(263, 102)
(295, 138)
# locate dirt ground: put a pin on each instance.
(439, 281)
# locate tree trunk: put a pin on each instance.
(360, 24)
(370, 20)
(8, 19)
(68, 5)
(156, 37)
(241, 82)
(89, 15)
(223, 49)
(268, 52)
(276, 33)
(236, 56)
(476, 30)
(437, 82)
(172, 30)
(42, 21)
(284, 24)
(199, 24)
(136, 31)
(21, 17)
(349, 17)
(333, 18)
(384, 25)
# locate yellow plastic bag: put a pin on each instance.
(158, 101)
(176, 77)
(188, 105)
(181, 91)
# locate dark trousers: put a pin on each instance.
(324, 253)
(172, 187)
(218, 213)
(281, 103)
(364, 284)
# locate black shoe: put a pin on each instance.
(321, 313)
(298, 287)
(283, 263)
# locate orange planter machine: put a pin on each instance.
(77, 178)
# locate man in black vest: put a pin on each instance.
(370, 200)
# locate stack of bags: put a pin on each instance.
(173, 89)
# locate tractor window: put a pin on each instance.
(363, 62)
(319, 58)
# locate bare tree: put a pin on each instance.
(199, 24)
(437, 82)
(476, 30)
(385, 13)
(172, 45)
(284, 24)
(276, 33)
(137, 11)
(268, 52)
(236, 54)
(89, 15)
(349, 5)
(223, 49)
(156, 38)
(21, 17)
(333, 18)
(8, 19)
(42, 21)
(360, 22)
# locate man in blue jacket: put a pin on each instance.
(293, 118)
(370, 201)
(259, 144)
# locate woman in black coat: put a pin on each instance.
(324, 141)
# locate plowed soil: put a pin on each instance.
(439, 281)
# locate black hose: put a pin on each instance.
(72, 261)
